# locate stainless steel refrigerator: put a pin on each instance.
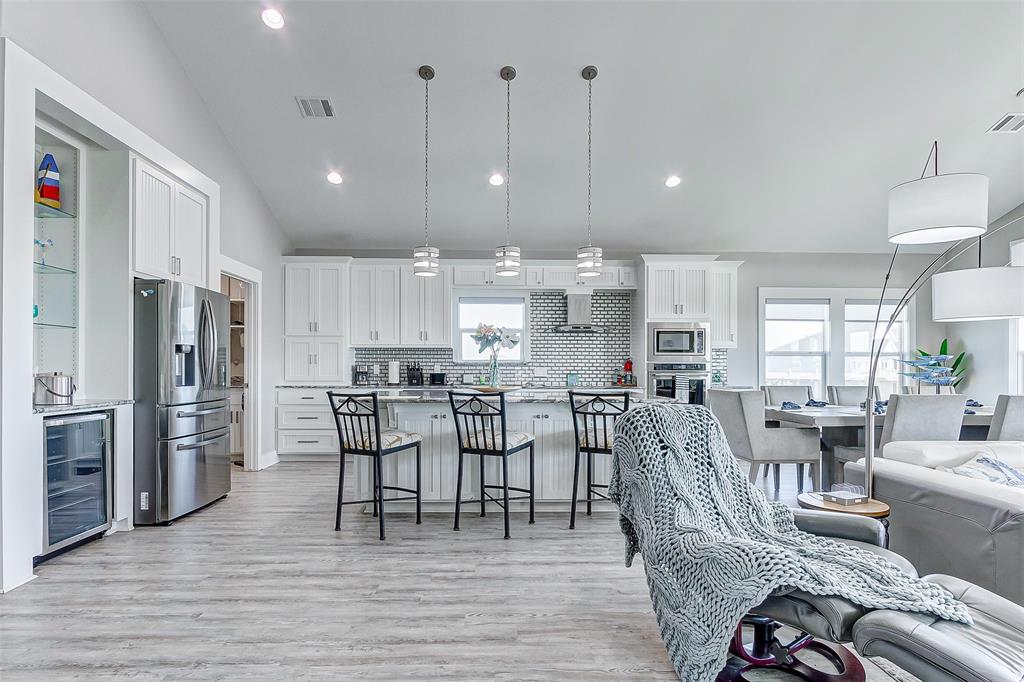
(182, 423)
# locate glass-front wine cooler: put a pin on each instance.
(78, 478)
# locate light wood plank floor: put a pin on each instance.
(259, 586)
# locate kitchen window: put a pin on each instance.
(508, 312)
(817, 337)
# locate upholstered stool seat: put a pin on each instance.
(991, 650)
(485, 439)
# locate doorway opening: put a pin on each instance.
(241, 284)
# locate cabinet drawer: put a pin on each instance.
(299, 442)
(300, 417)
(303, 396)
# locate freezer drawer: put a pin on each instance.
(194, 471)
(187, 420)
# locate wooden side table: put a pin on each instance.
(873, 508)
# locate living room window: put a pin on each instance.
(509, 312)
(816, 337)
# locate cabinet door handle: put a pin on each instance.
(316, 358)
(309, 359)
(426, 336)
(307, 418)
(444, 416)
(316, 326)
(307, 442)
(435, 416)
(307, 397)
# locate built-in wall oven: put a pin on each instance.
(685, 382)
(678, 342)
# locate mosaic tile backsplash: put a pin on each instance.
(596, 358)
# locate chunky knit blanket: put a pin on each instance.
(714, 546)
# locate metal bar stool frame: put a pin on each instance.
(596, 413)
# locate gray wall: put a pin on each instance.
(818, 270)
(987, 343)
(115, 52)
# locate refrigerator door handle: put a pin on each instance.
(202, 443)
(201, 336)
(200, 413)
(213, 342)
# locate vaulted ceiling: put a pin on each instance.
(787, 121)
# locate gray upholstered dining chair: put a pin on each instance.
(925, 389)
(1008, 418)
(849, 395)
(908, 417)
(776, 395)
(741, 414)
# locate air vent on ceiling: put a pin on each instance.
(315, 107)
(1010, 123)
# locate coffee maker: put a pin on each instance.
(360, 375)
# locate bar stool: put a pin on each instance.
(593, 421)
(480, 426)
(357, 417)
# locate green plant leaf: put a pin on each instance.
(959, 359)
(957, 383)
(944, 347)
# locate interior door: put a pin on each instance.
(152, 217)
(299, 286)
(361, 307)
(330, 300)
(190, 235)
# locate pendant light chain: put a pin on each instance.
(426, 162)
(590, 137)
(508, 162)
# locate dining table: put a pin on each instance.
(843, 426)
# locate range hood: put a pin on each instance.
(579, 318)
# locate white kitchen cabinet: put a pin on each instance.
(375, 305)
(560, 276)
(237, 415)
(677, 291)
(314, 358)
(169, 226)
(483, 276)
(315, 299)
(426, 309)
(608, 277)
(534, 276)
(722, 303)
(627, 277)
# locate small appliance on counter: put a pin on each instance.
(394, 372)
(438, 378)
(360, 375)
(53, 388)
(414, 375)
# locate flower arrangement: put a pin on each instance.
(489, 337)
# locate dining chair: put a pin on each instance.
(357, 416)
(741, 414)
(849, 395)
(481, 428)
(907, 417)
(776, 395)
(1008, 418)
(593, 424)
(925, 389)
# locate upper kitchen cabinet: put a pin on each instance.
(169, 226)
(315, 298)
(375, 305)
(483, 276)
(426, 309)
(676, 291)
(722, 299)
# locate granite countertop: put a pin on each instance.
(439, 394)
(81, 405)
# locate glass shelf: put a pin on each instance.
(44, 211)
(44, 269)
(50, 325)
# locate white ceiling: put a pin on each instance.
(787, 121)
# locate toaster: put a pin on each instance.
(438, 378)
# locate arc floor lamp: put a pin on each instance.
(930, 210)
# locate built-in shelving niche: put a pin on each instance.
(56, 262)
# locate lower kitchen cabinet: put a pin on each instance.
(305, 425)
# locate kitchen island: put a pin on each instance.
(542, 412)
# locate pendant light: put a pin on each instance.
(938, 208)
(507, 257)
(993, 293)
(425, 259)
(589, 258)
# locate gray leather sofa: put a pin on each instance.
(944, 523)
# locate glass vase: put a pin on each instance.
(493, 374)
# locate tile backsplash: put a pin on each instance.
(596, 358)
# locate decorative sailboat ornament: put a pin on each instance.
(48, 183)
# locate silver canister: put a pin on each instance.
(53, 388)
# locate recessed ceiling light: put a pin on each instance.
(273, 18)
(672, 181)
(334, 177)
(497, 180)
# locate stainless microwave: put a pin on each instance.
(680, 342)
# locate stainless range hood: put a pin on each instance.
(579, 317)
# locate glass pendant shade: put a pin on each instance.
(995, 293)
(506, 261)
(426, 261)
(938, 208)
(589, 260)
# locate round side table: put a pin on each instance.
(873, 508)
